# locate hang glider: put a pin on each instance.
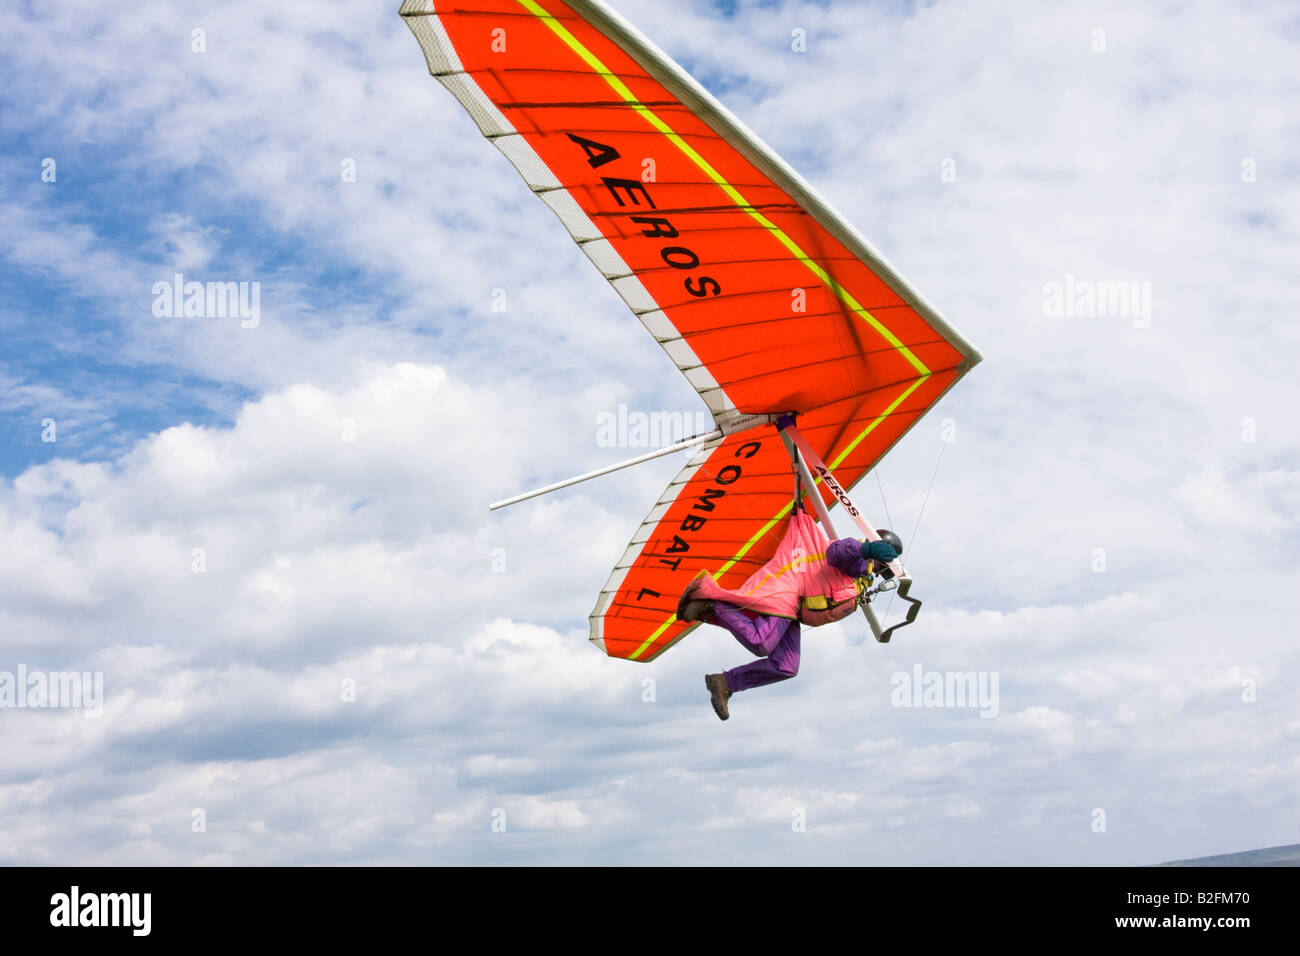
(806, 345)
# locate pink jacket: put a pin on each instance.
(809, 579)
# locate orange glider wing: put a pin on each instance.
(760, 293)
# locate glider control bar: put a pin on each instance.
(807, 458)
(730, 428)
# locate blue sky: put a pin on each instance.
(1159, 151)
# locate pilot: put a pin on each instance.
(828, 588)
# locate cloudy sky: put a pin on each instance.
(318, 646)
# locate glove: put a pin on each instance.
(881, 551)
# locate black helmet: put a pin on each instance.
(889, 536)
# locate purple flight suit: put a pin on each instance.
(776, 639)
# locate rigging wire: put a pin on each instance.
(910, 543)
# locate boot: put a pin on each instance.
(690, 608)
(719, 691)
